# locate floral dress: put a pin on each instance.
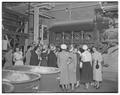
(18, 58)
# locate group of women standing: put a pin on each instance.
(76, 66)
(79, 67)
(37, 55)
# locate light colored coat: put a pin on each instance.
(72, 68)
(28, 56)
(8, 59)
(97, 73)
(63, 66)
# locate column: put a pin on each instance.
(72, 38)
(26, 40)
(63, 37)
(70, 12)
(36, 24)
(97, 33)
(82, 32)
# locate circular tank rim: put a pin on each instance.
(37, 78)
(58, 71)
(10, 86)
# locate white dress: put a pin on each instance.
(97, 73)
(18, 58)
(4, 44)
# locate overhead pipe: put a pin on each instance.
(42, 15)
(74, 8)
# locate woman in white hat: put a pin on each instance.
(86, 75)
(62, 61)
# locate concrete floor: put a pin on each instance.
(107, 87)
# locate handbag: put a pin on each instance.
(81, 64)
(97, 65)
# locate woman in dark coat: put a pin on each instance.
(34, 57)
(52, 58)
(77, 66)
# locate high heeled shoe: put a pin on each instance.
(77, 85)
(98, 87)
(73, 89)
(94, 86)
(86, 86)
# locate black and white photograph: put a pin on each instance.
(59, 47)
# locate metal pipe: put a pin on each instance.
(75, 7)
(70, 8)
(28, 16)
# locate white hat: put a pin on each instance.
(85, 47)
(63, 46)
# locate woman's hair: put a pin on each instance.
(92, 48)
(51, 44)
(16, 47)
(70, 46)
(35, 48)
(58, 48)
(28, 47)
(81, 50)
(76, 46)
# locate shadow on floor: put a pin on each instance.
(107, 87)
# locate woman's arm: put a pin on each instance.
(75, 62)
(100, 57)
(14, 59)
(58, 60)
(91, 60)
(8, 41)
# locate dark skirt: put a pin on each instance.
(86, 72)
(34, 58)
(44, 59)
(43, 62)
(52, 60)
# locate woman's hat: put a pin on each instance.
(85, 47)
(63, 46)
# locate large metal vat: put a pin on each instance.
(48, 82)
(7, 87)
(24, 85)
